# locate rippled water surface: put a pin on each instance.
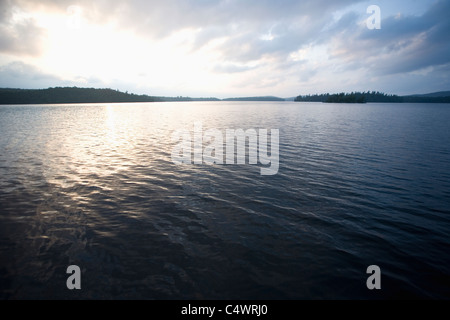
(94, 185)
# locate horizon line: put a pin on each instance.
(229, 97)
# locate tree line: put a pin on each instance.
(69, 95)
(353, 97)
(92, 95)
(369, 96)
(81, 95)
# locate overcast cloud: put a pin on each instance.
(229, 47)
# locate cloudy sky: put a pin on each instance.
(226, 48)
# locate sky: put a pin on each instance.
(226, 48)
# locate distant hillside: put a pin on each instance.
(80, 95)
(265, 98)
(432, 95)
(180, 98)
(69, 95)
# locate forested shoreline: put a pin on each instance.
(370, 96)
(92, 95)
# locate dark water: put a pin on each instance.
(94, 186)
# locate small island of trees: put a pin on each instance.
(353, 97)
(374, 96)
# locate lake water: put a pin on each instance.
(94, 185)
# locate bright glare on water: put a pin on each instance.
(94, 185)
